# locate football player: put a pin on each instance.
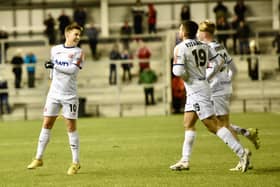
(66, 61)
(191, 58)
(221, 84)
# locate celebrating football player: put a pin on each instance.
(66, 61)
(191, 58)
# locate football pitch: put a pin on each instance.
(137, 151)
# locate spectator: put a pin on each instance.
(178, 94)
(138, 12)
(50, 29)
(30, 61)
(114, 55)
(92, 34)
(126, 31)
(152, 18)
(126, 66)
(80, 16)
(223, 26)
(276, 44)
(143, 54)
(3, 35)
(220, 10)
(234, 26)
(63, 20)
(243, 34)
(253, 61)
(148, 77)
(4, 97)
(17, 62)
(240, 10)
(185, 13)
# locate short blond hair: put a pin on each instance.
(72, 26)
(207, 26)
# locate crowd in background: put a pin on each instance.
(229, 25)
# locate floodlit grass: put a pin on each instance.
(137, 151)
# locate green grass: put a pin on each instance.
(137, 151)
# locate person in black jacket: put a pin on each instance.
(17, 62)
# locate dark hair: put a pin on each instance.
(72, 26)
(190, 28)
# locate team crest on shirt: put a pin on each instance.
(71, 56)
(196, 107)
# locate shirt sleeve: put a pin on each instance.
(232, 70)
(217, 62)
(79, 59)
(178, 68)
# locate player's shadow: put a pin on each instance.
(275, 169)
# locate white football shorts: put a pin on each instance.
(69, 107)
(221, 104)
(201, 103)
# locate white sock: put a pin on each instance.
(187, 146)
(43, 142)
(74, 145)
(229, 139)
(240, 130)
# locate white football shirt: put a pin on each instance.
(221, 83)
(67, 62)
(194, 56)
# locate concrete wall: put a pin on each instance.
(167, 13)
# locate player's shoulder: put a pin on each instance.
(55, 47)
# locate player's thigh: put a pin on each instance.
(70, 108)
(200, 103)
(52, 107)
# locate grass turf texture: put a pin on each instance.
(137, 151)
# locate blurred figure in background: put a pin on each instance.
(178, 94)
(4, 97)
(63, 20)
(30, 61)
(220, 10)
(276, 44)
(222, 25)
(234, 26)
(17, 62)
(253, 61)
(3, 35)
(152, 18)
(126, 31)
(126, 66)
(50, 29)
(138, 13)
(240, 10)
(114, 55)
(185, 13)
(148, 77)
(243, 34)
(80, 16)
(92, 34)
(143, 53)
